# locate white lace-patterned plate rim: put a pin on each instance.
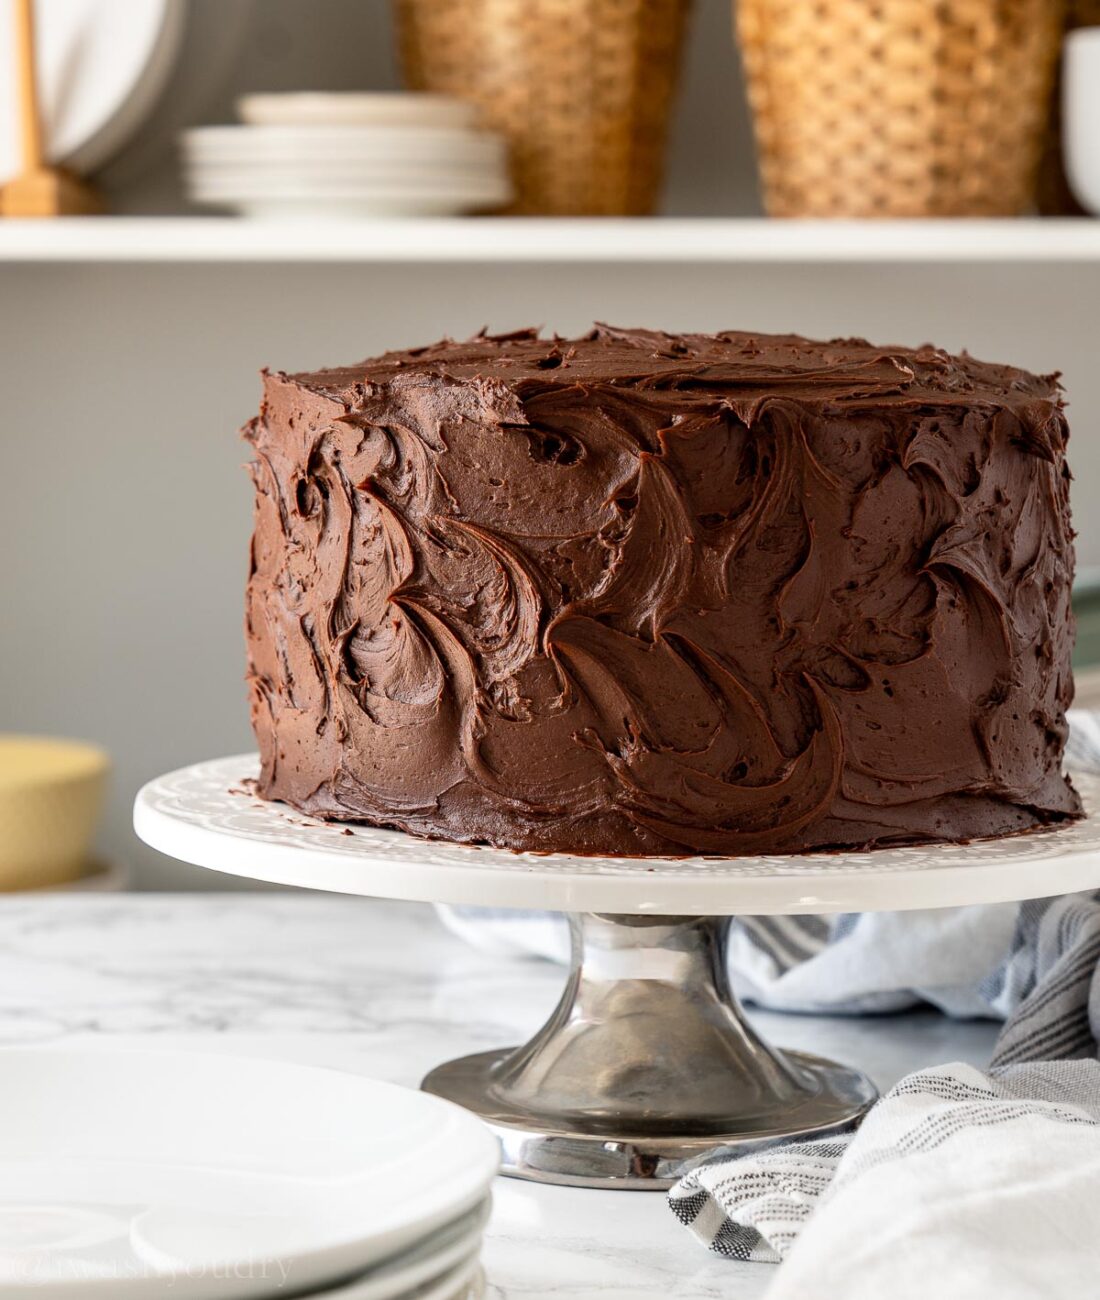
(206, 815)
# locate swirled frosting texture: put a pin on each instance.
(639, 594)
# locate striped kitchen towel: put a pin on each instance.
(958, 1183)
(946, 1148)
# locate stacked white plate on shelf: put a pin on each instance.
(343, 155)
(132, 1175)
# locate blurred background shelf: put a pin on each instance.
(534, 240)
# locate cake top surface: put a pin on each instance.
(747, 364)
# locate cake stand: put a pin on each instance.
(648, 1066)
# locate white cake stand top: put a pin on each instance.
(205, 815)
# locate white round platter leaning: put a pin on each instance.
(210, 1177)
(648, 1066)
(101, 66)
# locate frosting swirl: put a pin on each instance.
(638, 593)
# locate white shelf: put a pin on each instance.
(539, 240)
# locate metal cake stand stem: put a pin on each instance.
(647, 1066)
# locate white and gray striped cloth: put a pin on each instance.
(958, 1185)
(991, 1180)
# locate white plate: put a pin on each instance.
(449, 1250)
(394, 108)
(373, 208)
(463, 1282)
(357, 174)
(209, 1177)
(340, 144)
(393, 196)
(102, 64)
(458, 188)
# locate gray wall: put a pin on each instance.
(124, 512)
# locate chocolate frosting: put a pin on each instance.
(639, 593)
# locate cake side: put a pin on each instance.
(649, 594)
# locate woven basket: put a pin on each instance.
(899, 108)
(581, 89)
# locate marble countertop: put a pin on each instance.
(383, 989)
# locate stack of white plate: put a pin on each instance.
(128, 1175)
(349, 155)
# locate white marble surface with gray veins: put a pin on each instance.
(381, 988)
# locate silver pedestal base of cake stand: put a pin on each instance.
(647, 1066)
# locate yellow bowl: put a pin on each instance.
(51, 795)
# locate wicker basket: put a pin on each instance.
(581, 88)
(899, 108)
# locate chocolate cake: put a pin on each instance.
(639, 593)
